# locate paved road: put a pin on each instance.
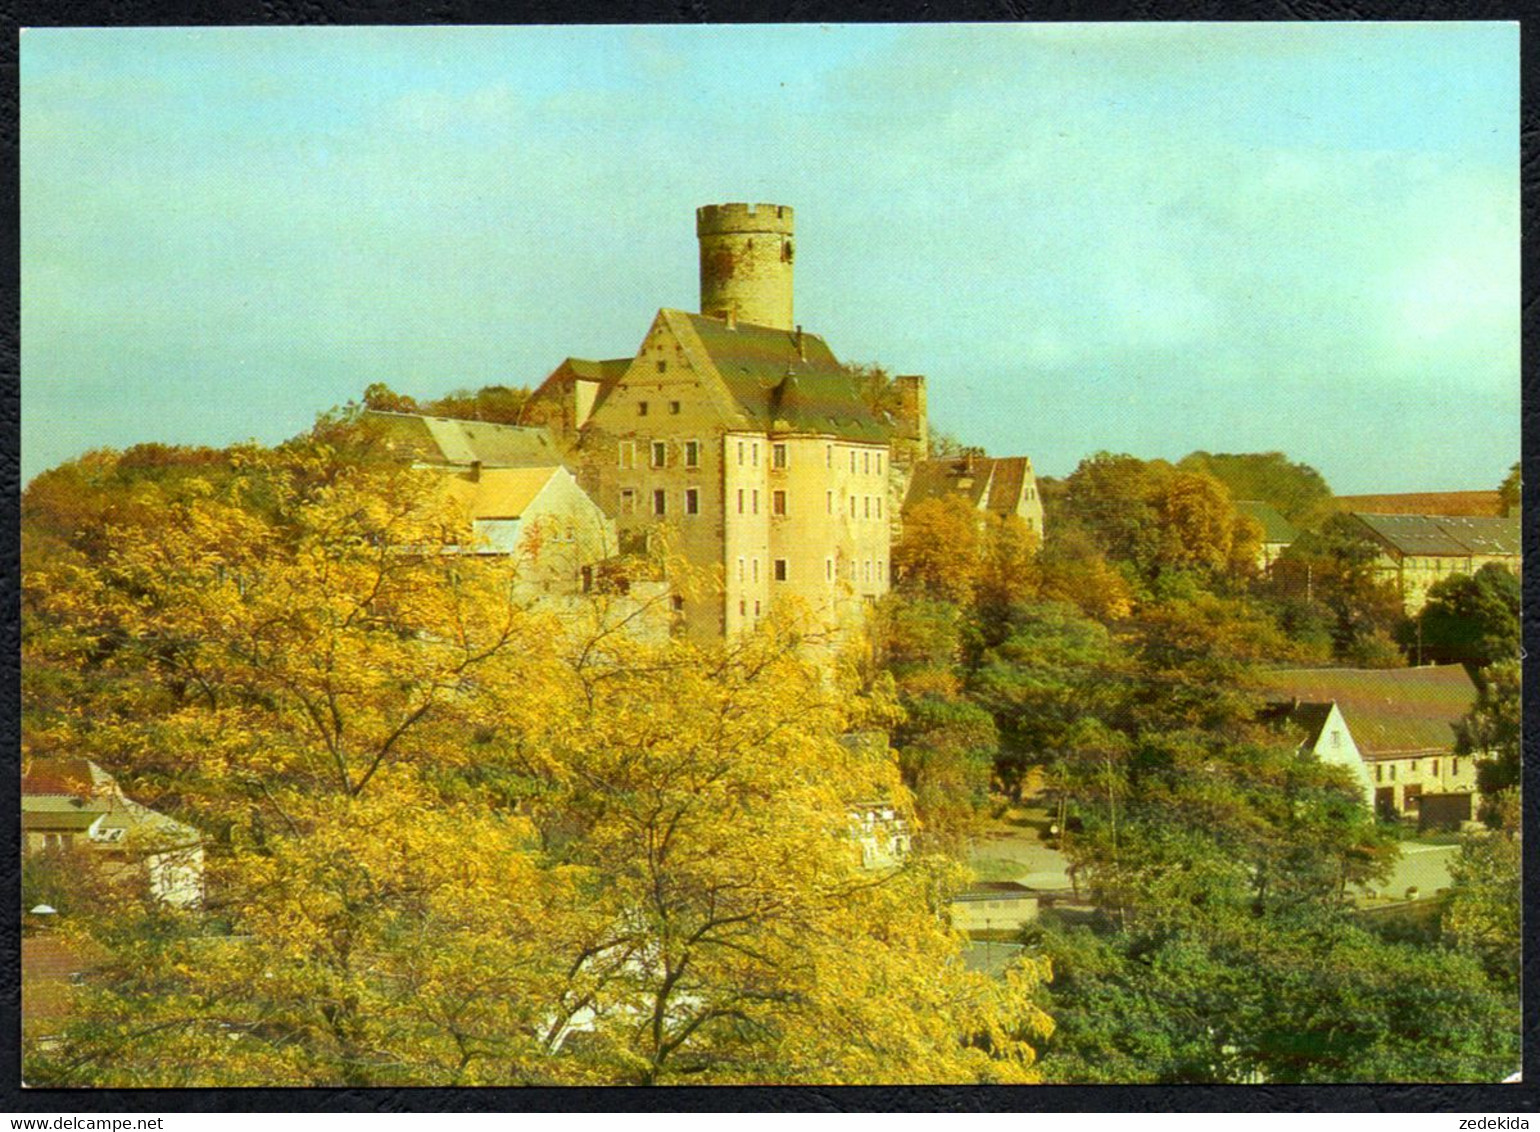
(1040, 866)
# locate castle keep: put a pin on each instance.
(743, 436)
(746, 252)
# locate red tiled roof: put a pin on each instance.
(1425, 503)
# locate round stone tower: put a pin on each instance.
(745, 263)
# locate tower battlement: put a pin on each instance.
(711, 219)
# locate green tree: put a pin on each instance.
(1484, 916)
(1491, 731)
(1298, 491)
(1511, 490)
(1334, 567)
(500, 404)
(1054, 668)
(1469, 619)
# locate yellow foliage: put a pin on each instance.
(450, 841)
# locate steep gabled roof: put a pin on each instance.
(1453, 535)
(1390, 711)
(1301, 718)
(965, 477)
(986, 482)
(778, 384)
(1010, 477)
(1275, 528)
(442, 440)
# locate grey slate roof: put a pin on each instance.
(441, 440)
(1450, 535)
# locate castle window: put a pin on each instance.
(852, 507)
(1414, 766)
(662, 366)
(627, 452)
(828, 502)
(740, 569)
(1379, 774)
(743, 609)
(1336, 738)
(691, 453)
(740, 501)
(879, 506)
(828, 569)
(754, 498)
(660, 502)
(780, 569)
(866, 462)
(641, 408)
(828, 455)
(756, 611)
(852, 459)
(866, 507)
(1392, 772)
(678, 603)
(754, 569)
(754, 454)
(778, 456)
(1433, 768)
(627, 500)
(692, 501)
(879, 463)
(778, 502)
(740, 453)
(866, 570)
(1454, 767)
(659, 453)
(673, 407)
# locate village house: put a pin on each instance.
(1416, 551)
(526, 507)
(1400, 724)
(541, 518)
(73, 804)
(998, 485)
(739, 442)
(1277, 532)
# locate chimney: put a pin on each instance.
(801, 349)
(732, 316)
(475, 471)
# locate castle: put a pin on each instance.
(744, 437)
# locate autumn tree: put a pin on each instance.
(939, 551)
(452, 842)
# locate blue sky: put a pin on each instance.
(1141, 238)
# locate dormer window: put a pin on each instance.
(662, 365)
